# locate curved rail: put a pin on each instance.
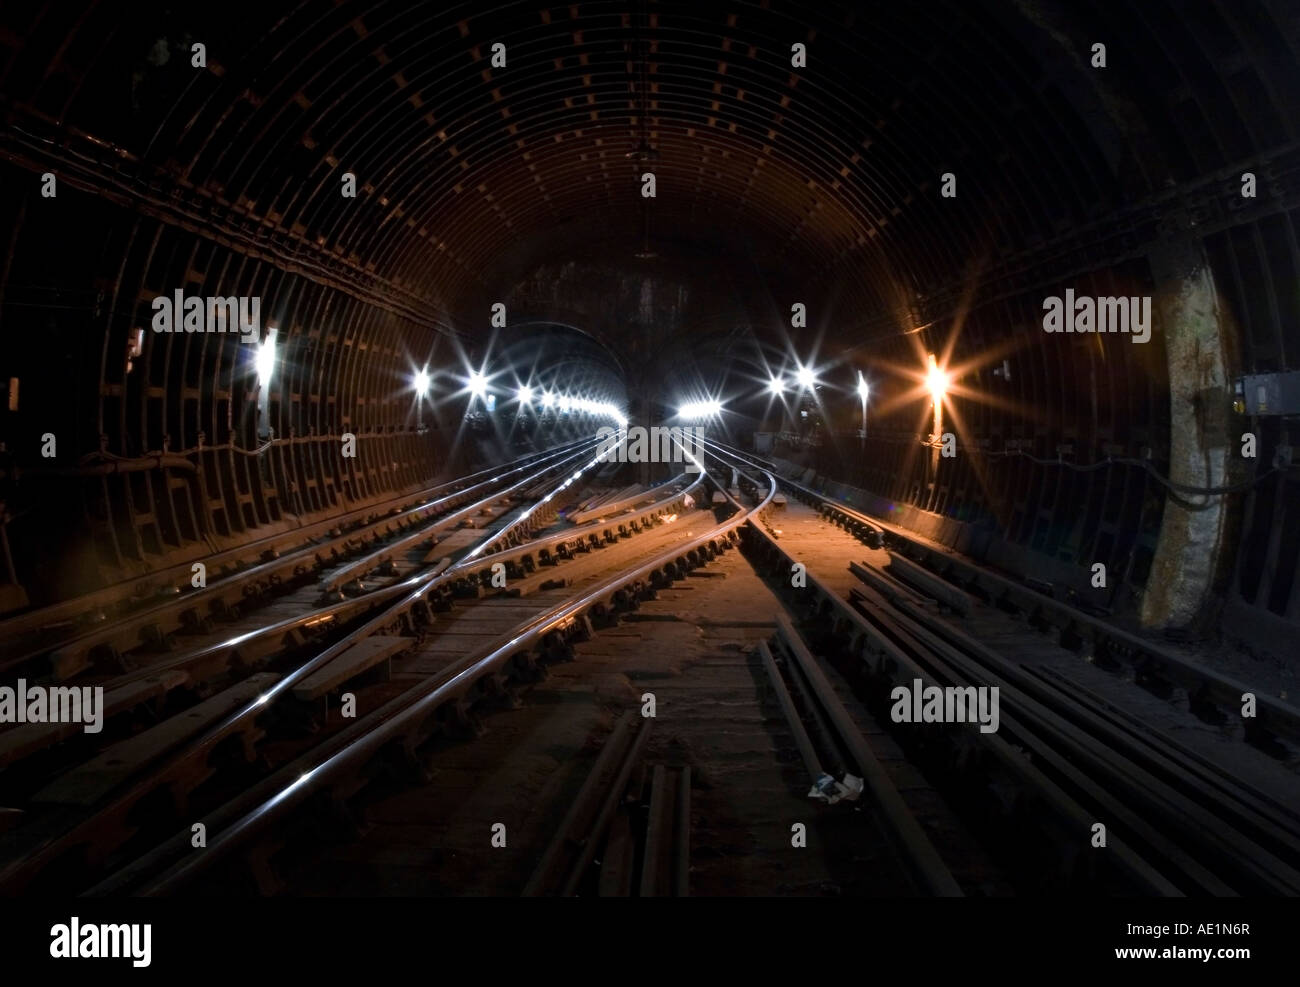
(17, 873)
(402, 717)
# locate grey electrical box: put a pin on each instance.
(1271, 394)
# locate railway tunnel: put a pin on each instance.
(1009, 289)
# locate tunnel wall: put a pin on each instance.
(1083, 399)
(1024, 476)
(217, 478)
(1256, 266)
(823, 183)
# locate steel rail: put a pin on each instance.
(925, 862)
(888, 659)
(1091, 749)
(256, 644)
(1129, 778)
(17, 873)
(354, 570)
(69, 655)
(298, 781)
(1272, 714)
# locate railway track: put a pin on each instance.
(1087, 795)
(433, 703)
(280, 617)
(161, 774)
(101, 629)
(717, 800)
(628, 830)
(1070, 791)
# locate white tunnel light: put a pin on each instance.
(863, 388)
(700, 409)
(477, 384)
(776, 386)
(807, 378)
(421, 383)
(265, 361)
(576, 403)
(525, 394)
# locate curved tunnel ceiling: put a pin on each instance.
(802, 154)
(821, 177)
